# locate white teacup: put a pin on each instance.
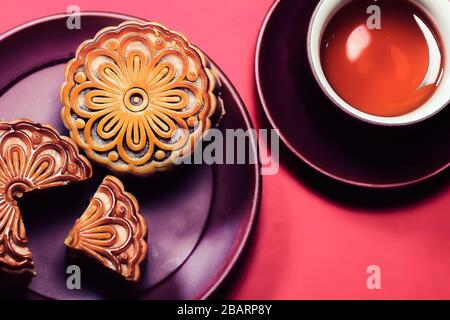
(438, 10)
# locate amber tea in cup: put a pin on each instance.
(385, 60)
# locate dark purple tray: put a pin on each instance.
(323, 136)
(200, 217)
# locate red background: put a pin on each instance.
(314, 238)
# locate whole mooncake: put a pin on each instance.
(112, 230)
(32, 156)
(137, 96)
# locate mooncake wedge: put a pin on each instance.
(112, 230)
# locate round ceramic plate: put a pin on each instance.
(199, 222)
(319, 133)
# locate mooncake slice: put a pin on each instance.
(32, 156)
(112, 230)
(138, 96)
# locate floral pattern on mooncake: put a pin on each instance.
(138, 96)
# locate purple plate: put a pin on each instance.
(323, 136)
(199, 221)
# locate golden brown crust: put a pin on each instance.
(32, 156)
(138, 96)
(112, 230)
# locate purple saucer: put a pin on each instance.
(323, 136)
(199, 221)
